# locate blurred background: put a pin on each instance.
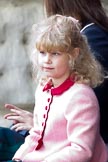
(16, 84)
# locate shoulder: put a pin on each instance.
(98, 41)
(94, 30)
(82, 91)
(84, 94)
(82, 99)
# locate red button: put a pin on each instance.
(43, 124)
(46, 107)
(48, 99)
(44, 116)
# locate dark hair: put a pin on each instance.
(87, 10)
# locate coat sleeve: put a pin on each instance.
(29, 144)
(31, 141)
(82, 115)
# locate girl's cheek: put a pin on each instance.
(40, 61)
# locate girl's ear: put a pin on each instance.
(76, 52)
(73, 57)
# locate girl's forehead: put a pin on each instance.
(50, 48)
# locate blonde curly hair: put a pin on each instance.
(62, 33)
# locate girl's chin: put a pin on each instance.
(47, 74)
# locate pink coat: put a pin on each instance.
(66, 127)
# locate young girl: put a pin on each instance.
(66, 114)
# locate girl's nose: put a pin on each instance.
(47, 58)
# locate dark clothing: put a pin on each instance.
(102, 95)
(98, 41)
(10, 141)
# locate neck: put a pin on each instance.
(58, 82)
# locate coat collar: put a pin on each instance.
(59, 90)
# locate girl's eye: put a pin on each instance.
(42, 52)
(55, 53)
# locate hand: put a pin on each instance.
(22, 119)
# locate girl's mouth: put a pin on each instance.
(48, 68)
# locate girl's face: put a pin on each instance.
(55, 65)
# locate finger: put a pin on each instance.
(14, 113)
(14, 126)
(15, 122)
(10, 106)
(10, 114)
(19, 126)
(19, 112)
(23, 113)
(16, 118)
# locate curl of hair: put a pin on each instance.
(86, 68)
